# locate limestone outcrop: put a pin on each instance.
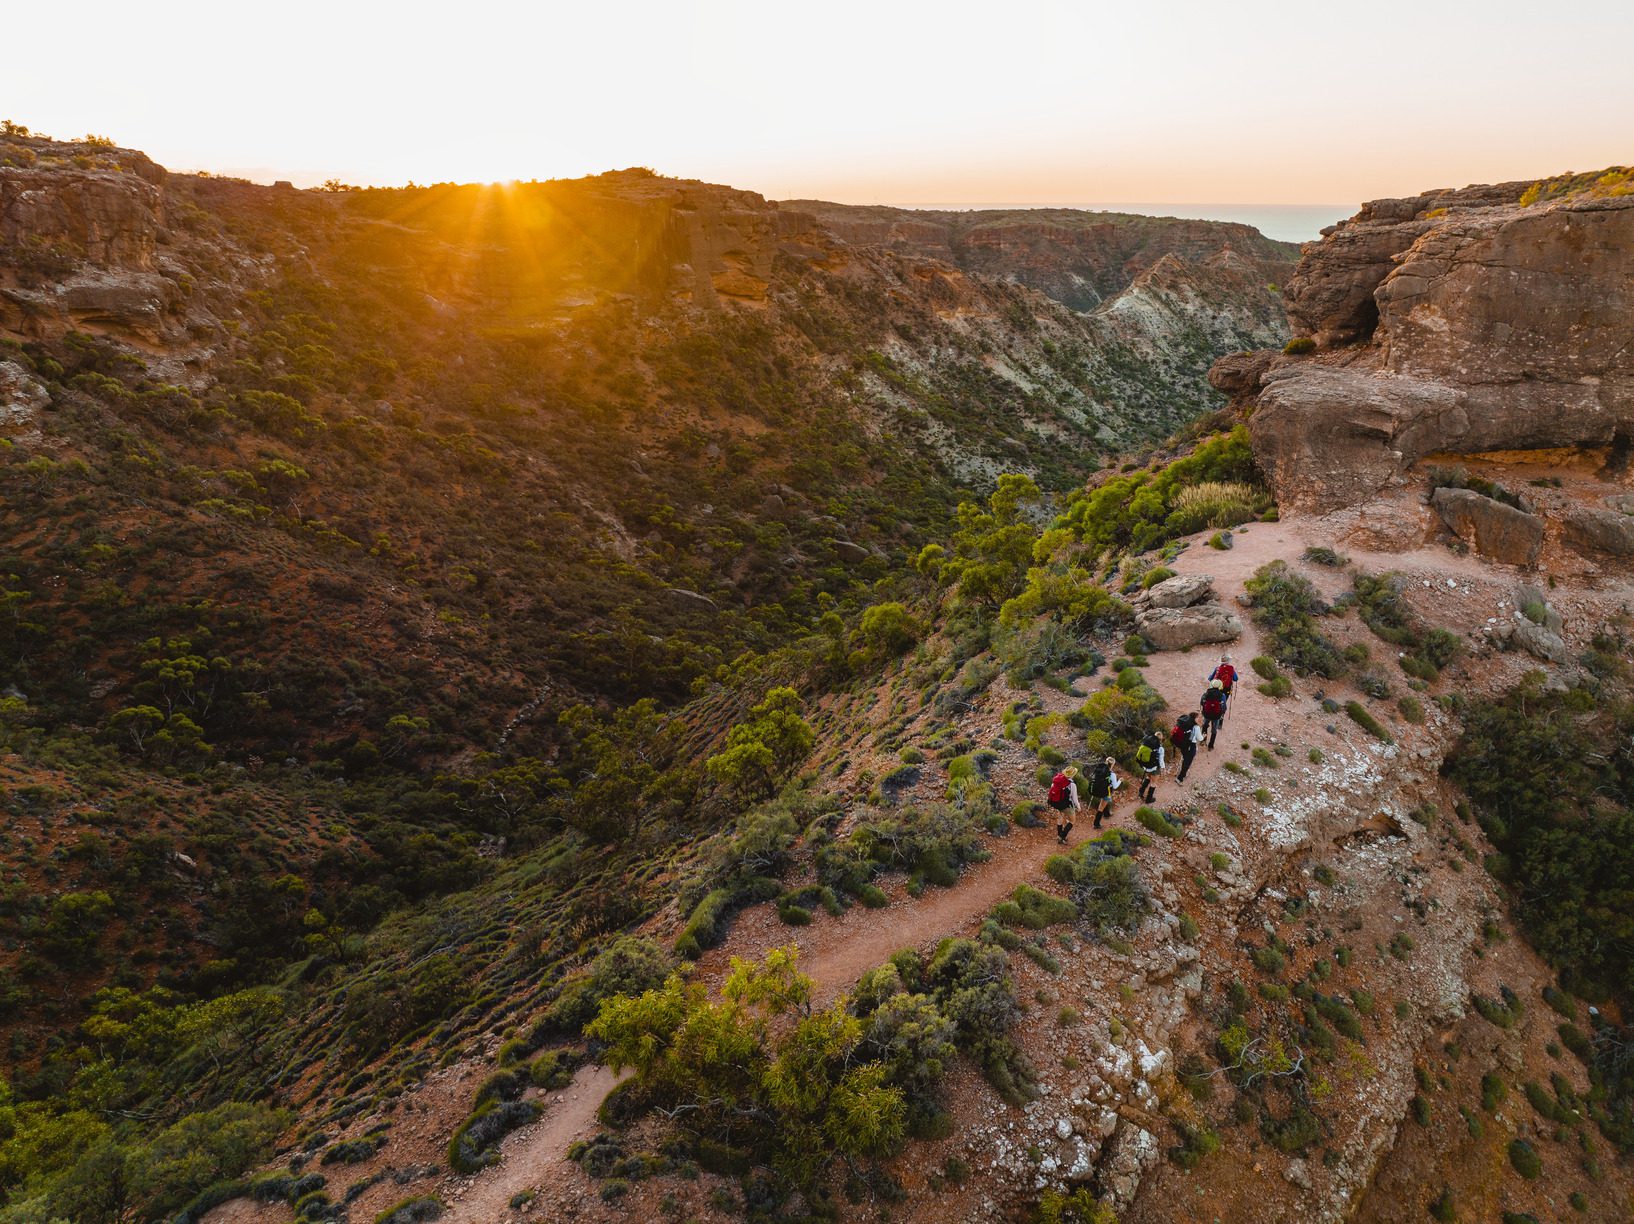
(1491, 528)
(1603, 531)
(1459, 323)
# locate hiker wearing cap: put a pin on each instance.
(1064, 799)
(1213, 708)
(1227, 676)
(1101, 785)
(1149, 756)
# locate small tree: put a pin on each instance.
(794, 1092)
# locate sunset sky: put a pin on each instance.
(1024, 102)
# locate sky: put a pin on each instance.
(1019, 102)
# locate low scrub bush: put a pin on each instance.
(1286, 606)
(1360, 716)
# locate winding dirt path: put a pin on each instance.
(531, 1152)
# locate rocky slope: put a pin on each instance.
(343, 532)
(1081, 259)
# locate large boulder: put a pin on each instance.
(1240, 373)
(1606, 531)
(1330, 437)
(1466, 323)
(1182, 628)
(1181, 591)
(1541, 642)
(1490, 527)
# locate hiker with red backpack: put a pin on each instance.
(1064, 799)
(1149, 756)
(1213, 708)
(1226, 675)
(1185, 736)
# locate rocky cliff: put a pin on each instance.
(1081, 259)
(1459, 323)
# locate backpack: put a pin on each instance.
(1147, 752)
(1059, 785)
(1226, 675)
(1177, 735)
(1214, 703)
(1100, 782)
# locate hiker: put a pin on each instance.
(1227, 676)
(1186, 735)
(1102, 783)
(1149, 756)
(1213, 706)
(1064, 799)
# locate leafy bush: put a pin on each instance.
(751, 1081)
(628, 965)
(1156, 821)
(1360, 716)
(1103, 884)
(1027, 907)
(1299, 346)
(475, 1145)
(1524, 1157)
(415, 1210)
(1137, 511)
(1285, 607)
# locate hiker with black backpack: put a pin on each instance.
(1064, 799)
(1149, 756)
(1102, 782)
(1213, 706)
(1186, 735)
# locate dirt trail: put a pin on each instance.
(570, 1115)
(836, 951)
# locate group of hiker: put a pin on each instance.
(1194, 728)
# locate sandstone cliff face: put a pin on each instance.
(1080, 259)
(1450, 323)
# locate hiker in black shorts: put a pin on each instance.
(1064, 799)
(1213, 708)
(1187, 734)
(1101, 785)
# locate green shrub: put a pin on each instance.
(1493, 1091)
(1285, 607)
(1294, 1133)
(415, 1210)
(1360, 716)
(554, 1069)
(1034, 910)
(1524, 1157)
(1156, 575)
(1411, 709)
(1320, 555)
(1299, 346)
(1155, 820)
(475, 1145)
(1442, 1208)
